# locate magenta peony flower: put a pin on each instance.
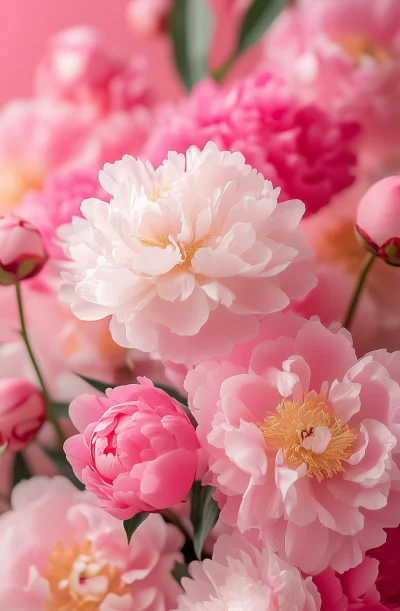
(64, 552)
(243, 575)
(302, 442)
(59, 200)
(22, 412)
(22, 251)
(81, 67)
(297, 146)
(137, 450)
(186, 258)
(355, 590)
(378, 220)
(345, 56)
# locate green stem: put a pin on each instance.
(222, 71)
(358, 290)
(172, 517)
(24, 333)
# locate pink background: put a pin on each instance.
(26, 25)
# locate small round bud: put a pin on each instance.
(378, 220)
(22, 252)
(22, 413)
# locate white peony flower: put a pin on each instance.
(186, 258)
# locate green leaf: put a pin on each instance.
(180, 570)
(20, 470)
(101, 386)
(257, 20)
(191, 26)
(133, 524)
(61, 410)
(60, 461)
(204, 514)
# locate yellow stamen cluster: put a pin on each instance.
(359, 45)
(60, 573)
(297, 420)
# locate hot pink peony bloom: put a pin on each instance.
(22, 412)
(355, 590)
(388, 580)
(302, 442)
(22, 251)
(186, 258)
(378, 220)
(59, 200)
(64, 552)
(246, 576)
(297, 146)
(346, 56)
(81, 67)
(137, 450)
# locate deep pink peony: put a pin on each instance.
(81, 67)
(187, 257)
(22, 250)
(297, 146)
(302, 442)
(345, 56)
(246, 575)
(137, 450)
(378, 220)
(22, 412)
(388, 579)
(355, 590)
(58, 201)
(64, 552)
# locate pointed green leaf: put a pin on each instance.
(257, 20)
(204, 514)
(133, 524)
(20, 469)
(191, 26)
(61, 410)
(180, 570)
(101, 386)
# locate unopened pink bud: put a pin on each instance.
(22, 412)
(22, 252)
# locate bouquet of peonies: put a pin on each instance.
(200, 316)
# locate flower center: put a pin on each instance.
(15, 181)
(187, 249)
(358, 46)
(77, 580)
(307, 432)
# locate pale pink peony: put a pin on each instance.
(80, 66)
(137, 450)
(243, 575)
(378, 220)
(37, 137)
(64, 552)
(345, 56)
(22, 250)
(302, 442)
(22, 412)
(186, 258)
(295, 145)
(355, 590)
(59, 200)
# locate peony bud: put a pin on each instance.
(22, 252)
(378, 220)
(22, 412)
(148, 17)
(137, 451)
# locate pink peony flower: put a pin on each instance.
(36, 137)
(388, 579)
(148, 17)
(22, 412)
(297, 146)
(59, 200)
(137, 450)
(377, 222)
(81, 67)
(22, 251)
(242, 575)
(345, 56)
(355, 590)
(301, 441)
(186, 258)
(64, 552)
